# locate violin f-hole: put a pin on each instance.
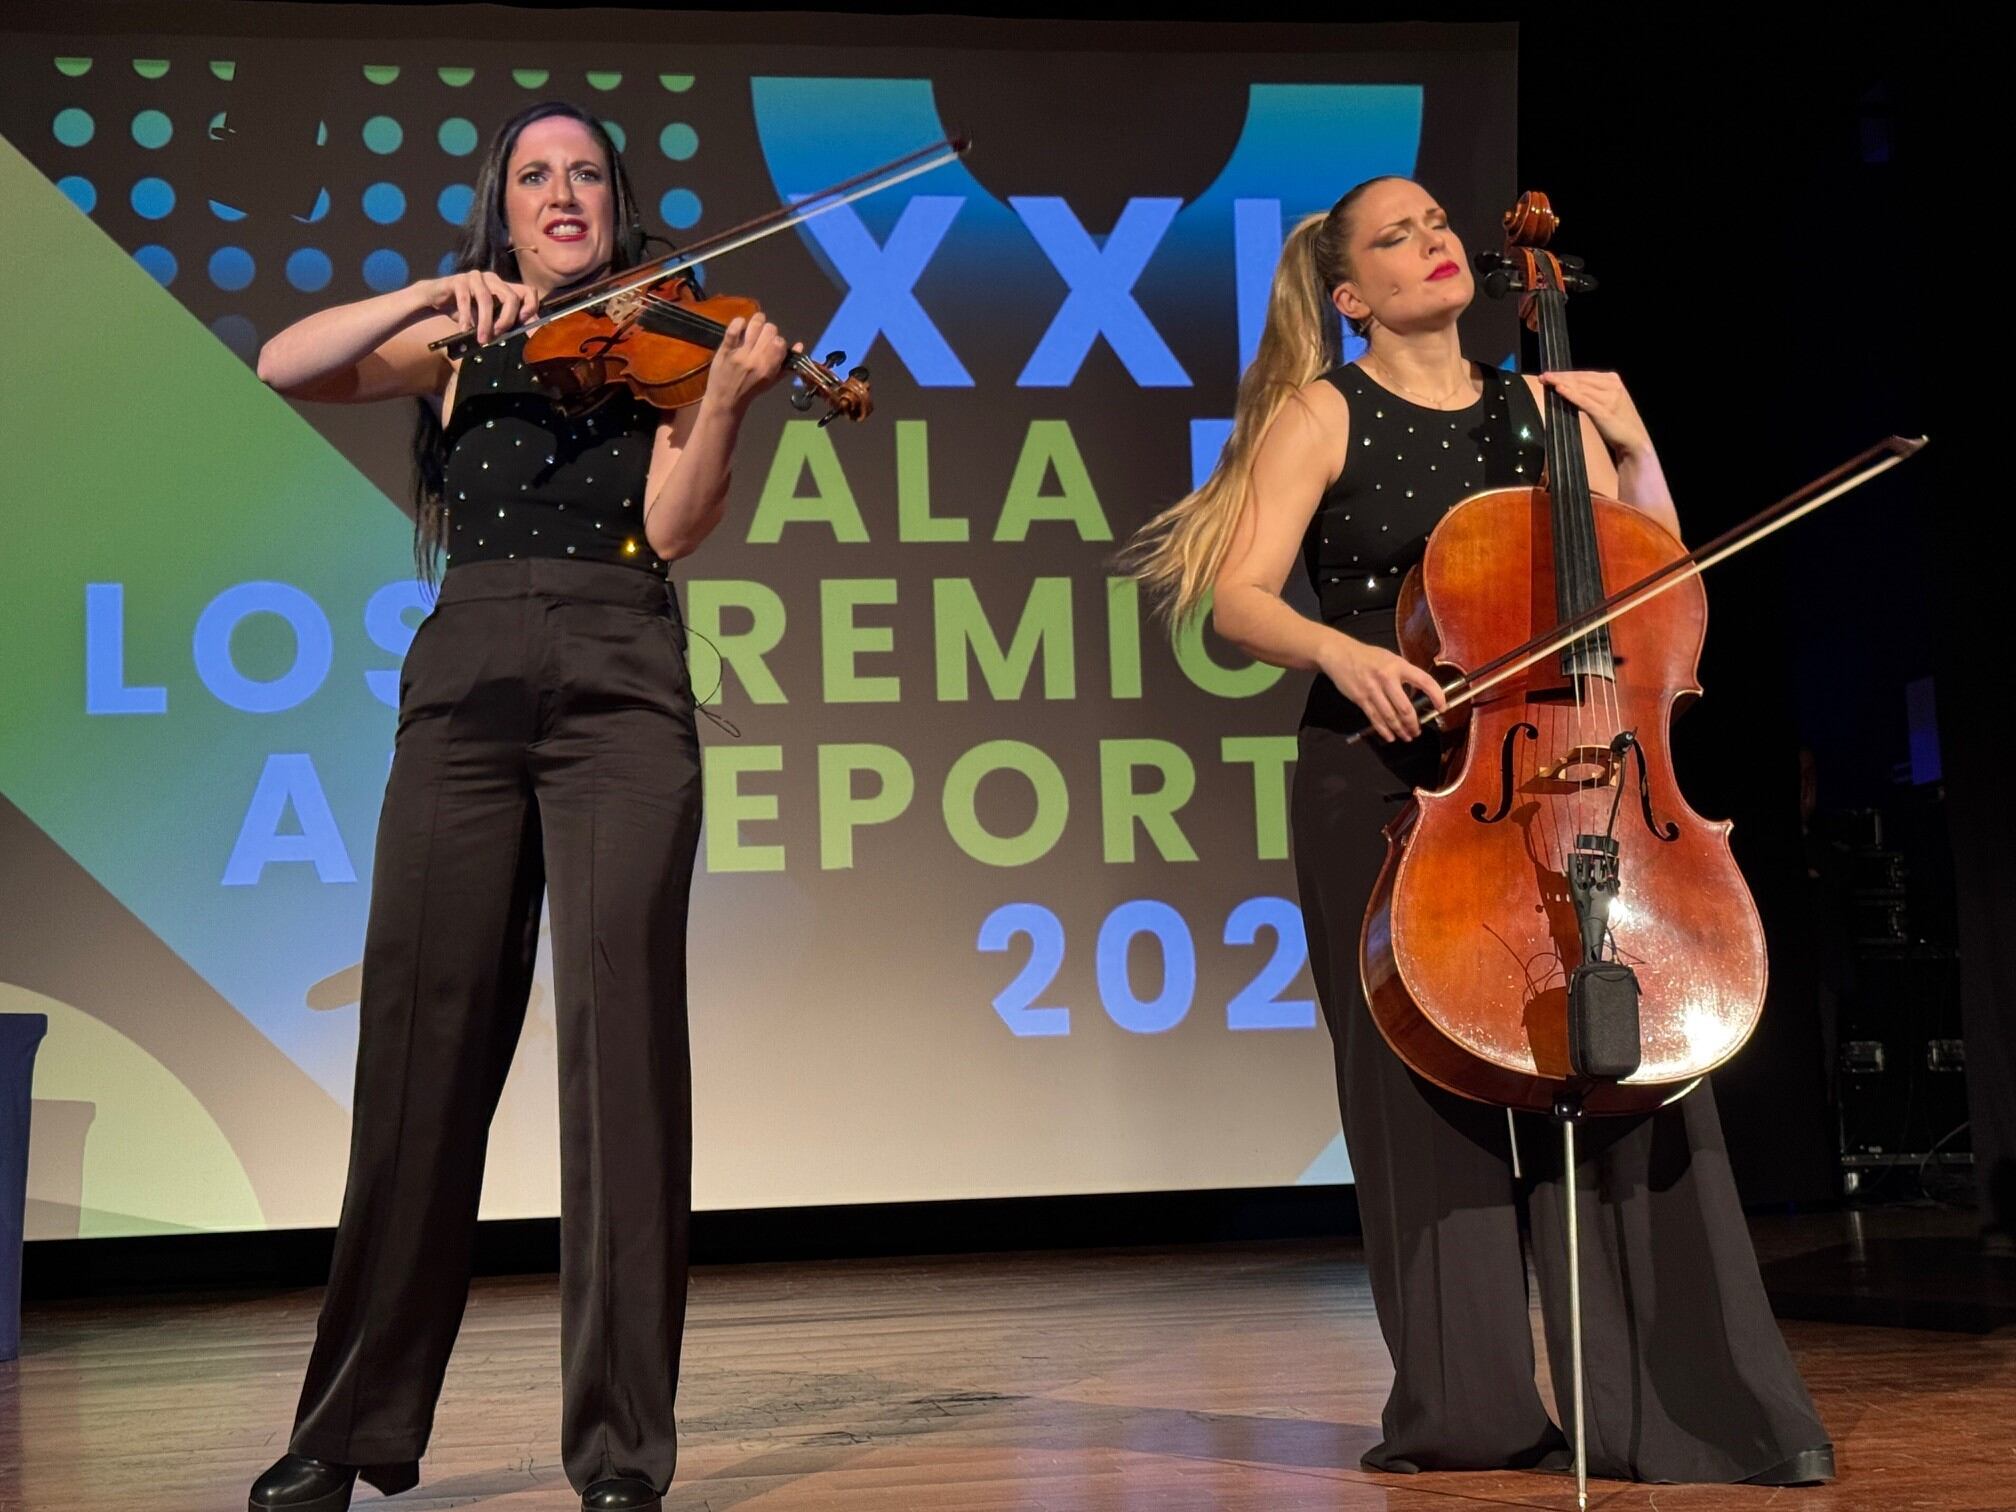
(1507, 784)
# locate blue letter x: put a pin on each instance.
(1101, 302)
(879, 300)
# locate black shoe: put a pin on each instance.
(622, 1495)
(1809, 1467)
(296, 1483)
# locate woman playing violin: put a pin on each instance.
(1350, 466)
(545, 735)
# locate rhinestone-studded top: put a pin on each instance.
(523, 481)
(1408, 466)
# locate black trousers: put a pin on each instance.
(1687, 1375)
(546, 736)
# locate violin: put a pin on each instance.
(649, 329)
(657, 341)
(1554, 928)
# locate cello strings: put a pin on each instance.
(1546, 717)
(1550, 720)
(1560, 423)
(1591, 654)
(1576, 512)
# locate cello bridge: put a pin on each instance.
(1584, 766)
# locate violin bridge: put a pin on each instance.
(624, 309)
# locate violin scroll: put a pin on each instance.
(812, 381)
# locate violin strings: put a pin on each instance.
(674, 318)
(710, 331)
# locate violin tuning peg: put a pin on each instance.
(834, 359)
(828, 418)
(801, 397)
(860, 372)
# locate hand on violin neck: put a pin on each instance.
(750, 360)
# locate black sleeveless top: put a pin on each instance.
(1409, 465)
(523, 481)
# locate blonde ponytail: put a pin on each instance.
(1178, 553)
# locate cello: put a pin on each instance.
(1555, 924)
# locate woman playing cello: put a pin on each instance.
(1349, 467)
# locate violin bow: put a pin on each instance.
(1824, 489)
(749, 232)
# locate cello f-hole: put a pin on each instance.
(1507, 783)
(1669, 831)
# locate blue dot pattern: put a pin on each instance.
(153, 199)
(367, 183)
(74, 127)
(152, 129)
(454, 203)
(680, 208)
(384, 203)
(309, 270)
(231, 268)
(158, 262)
(385, 270)
(237, 333)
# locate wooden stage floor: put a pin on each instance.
(1238, 1378)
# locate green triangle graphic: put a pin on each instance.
(141, 452)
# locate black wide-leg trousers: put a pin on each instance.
(1688, 1378)
(545, 740)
